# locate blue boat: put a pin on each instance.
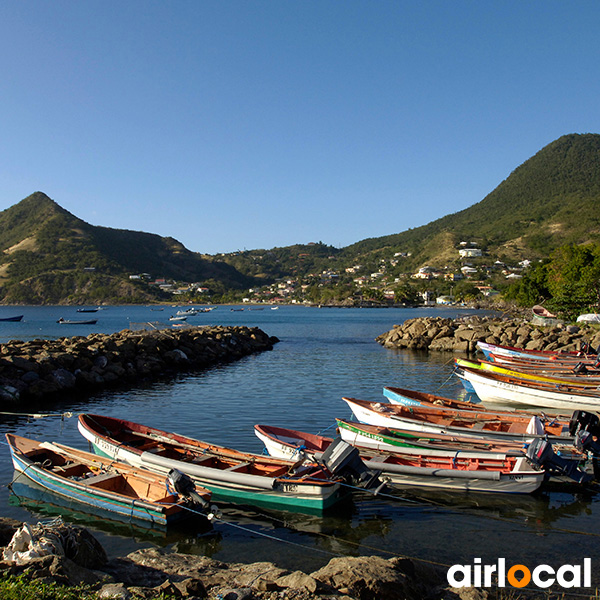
(98, 482)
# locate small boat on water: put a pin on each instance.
(102, 483)
(87, 310)
(178, 318)
(496, 388)
(81, 322)
(483, 472)
(231, 475)
(510, 351)
(582, 379)
(482, 424)
(12, 319)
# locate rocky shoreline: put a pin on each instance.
(461, 335)
(79, 559)
(39, 370)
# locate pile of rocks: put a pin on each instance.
(462, 335)
(152, 573)
(38, 369)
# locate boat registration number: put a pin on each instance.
(290, 487)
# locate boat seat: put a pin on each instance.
(96, 479)
(240, 466)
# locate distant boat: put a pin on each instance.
(540, 311)
(87, 310)
(12, 319)
(178, 318)
(82, 322)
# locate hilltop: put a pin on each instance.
(51, 256)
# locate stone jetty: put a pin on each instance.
(158, 573)
(38, 370)
(461, 335)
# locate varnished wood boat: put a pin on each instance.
(482, 424)
(98, 482)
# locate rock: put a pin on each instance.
(114, 590)
(298, 580)
(8, 528)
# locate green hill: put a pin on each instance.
(550, 200)
(51, 256)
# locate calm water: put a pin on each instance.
(323, 355)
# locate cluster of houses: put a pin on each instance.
(295, 289)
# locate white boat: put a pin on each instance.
(507, 390)
(478, 472)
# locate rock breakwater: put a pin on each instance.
(39, 369)
(462, 335)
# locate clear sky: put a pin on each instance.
(245, 124)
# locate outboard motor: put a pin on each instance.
(583, 420)
(540, 452)
(584, 441)
(344, 460)
(185, 487)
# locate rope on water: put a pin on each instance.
(63, 416)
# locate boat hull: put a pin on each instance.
(133, 509)
(495, 390)
(293, 494)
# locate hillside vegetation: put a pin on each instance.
(551, 200)
(51, 256)
(548, 202)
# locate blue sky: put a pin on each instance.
(244, 124)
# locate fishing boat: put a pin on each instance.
(102, 483)
(579, 380)
(496, 388)
(483, 472)
(482, 424)
(231, 475)
(397, 395)
(511, 351)
(75, 322)
(12, 319)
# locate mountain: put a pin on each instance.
(550, 200)
(51, 256)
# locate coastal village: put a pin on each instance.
(385, 286)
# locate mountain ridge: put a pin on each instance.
(51, 256)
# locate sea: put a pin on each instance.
(323, 355)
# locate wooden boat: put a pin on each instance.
(231, 475)
(81, 322)
(12, 319)
(492, 387)
(534, 375)
(511, 351)
(482, 472)
(397, 395)
(99, 482)
(406, 397)
(482, 424)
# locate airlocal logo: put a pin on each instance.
(542, 576)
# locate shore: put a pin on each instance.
(461, 335)
(73, 557)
